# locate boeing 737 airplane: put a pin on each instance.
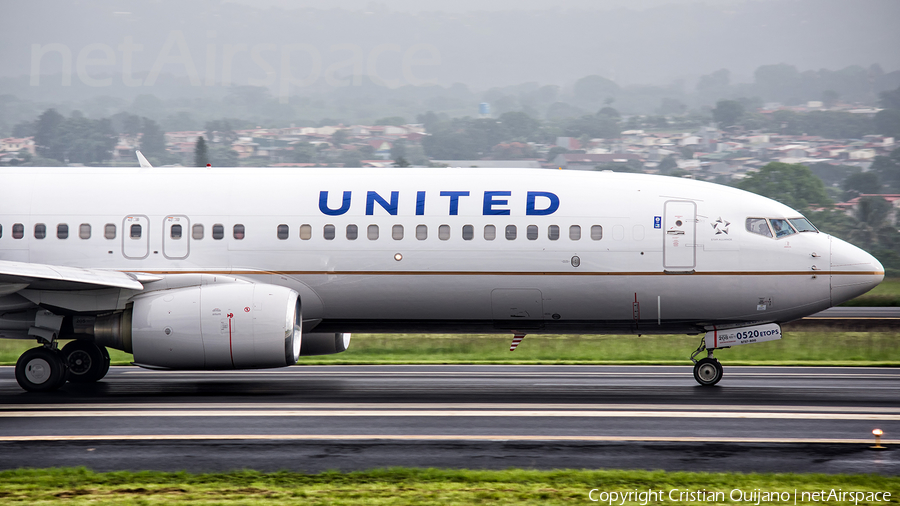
(195, 268)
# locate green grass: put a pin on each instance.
(885, 294)
(407, 486)
(797, 348)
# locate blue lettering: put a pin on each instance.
(550, 209)
(489, 203)
(390, 207)
(323, 204)
(420, 203)
(454, 200)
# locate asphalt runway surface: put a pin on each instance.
(315, 418)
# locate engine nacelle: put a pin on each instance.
(324, 343)
(216, 326)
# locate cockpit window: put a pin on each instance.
(758, 226)
(802, 225)
(782, 227)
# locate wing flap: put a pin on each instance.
(56, 277)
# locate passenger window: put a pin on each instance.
(372, 232)
(758, 226)
(352, 232)
(136, 231)
(531, 232)
(510, 232)
(553, 232)
(444, 232)
(782, 227)
(218, 231)
(468, 232)
(328, 232)
(490, 232)
(802, 225)
(238, 232)
(421, 232)
(397, 232)
(84, 231)
(18, 231)
(575, 232)
(305, 232)
(197, 232)
(62, 231)
(109, 231)
(596, 232)
(176, 232)
(283, 231)
(40, 231)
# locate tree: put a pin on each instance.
(304, 152)
(873, 211)
(888, 169)
(887, 122)
(223, 156)
(392, 120)
(830, 98)
(862, 182)
(46, 135)
(520, 125)
(555, 151)
(890, 99)
(153, 139)
(220, 131)
(201, 154)
(727, 112)
(401, 162)
(398, 149)
(593, 89)
(667, 165)
(791, 184)
(339, 137)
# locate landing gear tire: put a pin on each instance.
(41, 370)
(707, 371)
(86, 361)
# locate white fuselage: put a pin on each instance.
(634, 253)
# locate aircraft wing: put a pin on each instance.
(15, 276)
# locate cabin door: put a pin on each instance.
(680, 226)
(136, 237)
(176, 237)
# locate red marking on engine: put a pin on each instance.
(246, 309)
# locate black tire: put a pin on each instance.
(708, 371)
(105, 362)
(86, 361)
(41, 370)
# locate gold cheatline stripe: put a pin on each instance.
(432, 437)
(511, 273)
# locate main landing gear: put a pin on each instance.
(707, 371)
(46, 368)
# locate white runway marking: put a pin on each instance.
(464, 406)
(433, 437)
(372, 413)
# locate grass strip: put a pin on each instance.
(796, 348)
(397, 486)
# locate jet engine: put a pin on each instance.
(211, 326)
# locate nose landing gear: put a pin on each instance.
(707, 371)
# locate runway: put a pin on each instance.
(358, 417)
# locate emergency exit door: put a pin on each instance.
(136, 237)
(680, 225)
(176, 237)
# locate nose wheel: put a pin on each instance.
(707, 371)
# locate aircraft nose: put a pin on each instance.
(853, 271)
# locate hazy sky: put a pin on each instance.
(288, 43)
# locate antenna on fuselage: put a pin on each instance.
(142, 160)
